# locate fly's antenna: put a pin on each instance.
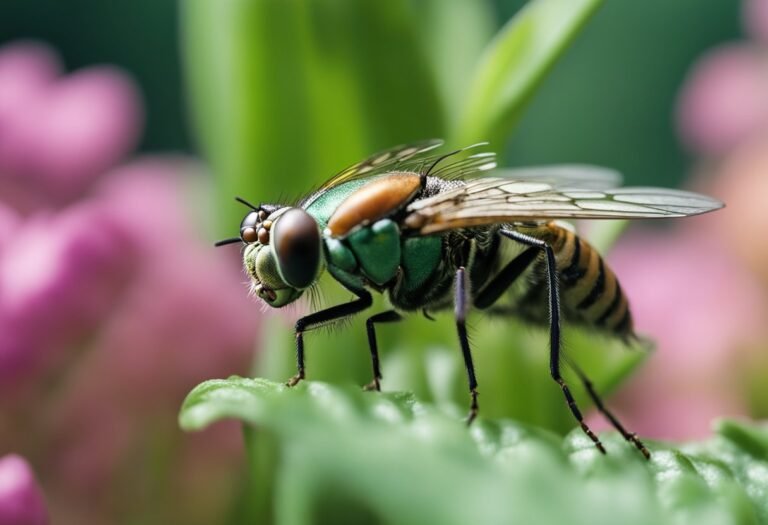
(224, 242)
(451, 154)
(233, 240)
(243, 201)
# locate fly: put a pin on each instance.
(415, 226)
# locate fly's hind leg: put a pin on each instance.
(554, 325)
(589, 387)
(389, 316)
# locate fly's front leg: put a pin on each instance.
(321, 318)
(554, 327)
(461, 307)
(384, 317)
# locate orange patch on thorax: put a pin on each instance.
(373, 201)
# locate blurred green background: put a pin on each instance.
(609, 101)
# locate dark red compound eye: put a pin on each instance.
(296, 241)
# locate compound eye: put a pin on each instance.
(249, 227)
(296, 241)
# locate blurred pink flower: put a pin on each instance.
(679, 285)
(184, 318)
(742, 182)
(755, 19)
(59, 274)
(723, 101)
(119, 284)
(58, 134)
(699, 290)
(203, 320)
(21, 500)
(26, 71)
(9, 221)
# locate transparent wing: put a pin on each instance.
(400, 157)
(460, 166)
(581, 176)
(412, 157)
(499, 200)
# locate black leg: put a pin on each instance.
(384, 317)
(461, 307)
(554, 326)
(321, 318)
(589, 387)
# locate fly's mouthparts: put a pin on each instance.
(264, 292)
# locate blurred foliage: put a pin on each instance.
(514, 64)
(289, 92)
(612, 100)
(341, 455)
(615, 89)
(286, 93)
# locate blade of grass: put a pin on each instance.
(464, 27)
(515, 63)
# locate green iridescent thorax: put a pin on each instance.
(377, 252)
(323, 205)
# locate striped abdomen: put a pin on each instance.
(589, 290)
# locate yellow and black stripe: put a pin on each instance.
(589, 290)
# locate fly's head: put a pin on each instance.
(282, 253)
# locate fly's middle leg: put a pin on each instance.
(461, 307)
(389, 316)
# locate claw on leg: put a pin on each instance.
(474, 408)
(374, 385)
(295, 379)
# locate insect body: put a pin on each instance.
(409, 224)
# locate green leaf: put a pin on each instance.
(347, 456)
(511, 360)
(512, 366)
(515, 63)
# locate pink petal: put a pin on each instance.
(724, 100)
(58, 134)
(21, 500)
(58, 277)
(90, 121)
(755, 19)
(743, 184)
(678, 284)
(27, 70)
